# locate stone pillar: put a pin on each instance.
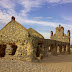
(30, 50)
(51, 33)
(68, 32)
(42, 52)
(54, 50)
(62, 49)
(68, 48)
(69, 35)
(8, 50)
(58, 49)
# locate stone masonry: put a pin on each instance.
(20, 43)
(60, 36)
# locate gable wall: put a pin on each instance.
(12, 32)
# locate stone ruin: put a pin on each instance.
(19, 43)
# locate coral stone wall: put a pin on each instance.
(60, 36)
(29, 44)
(34, 33)
(12, 32)
(26, 49)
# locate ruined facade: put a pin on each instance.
(60, 36)
(20, 43)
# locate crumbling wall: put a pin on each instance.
(53, 47)
(29, 45)
(34, 33)
(25, 49)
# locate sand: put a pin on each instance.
(60, 63)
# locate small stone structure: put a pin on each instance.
(29, 45)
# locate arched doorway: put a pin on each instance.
(51, 47)
(58, 48)
(12, 49)
(38, 51)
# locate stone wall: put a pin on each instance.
(54, 47)
(34, 33)
(59, 35)
(29, 45)
(12, 32)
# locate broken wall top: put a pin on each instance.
(34, 33)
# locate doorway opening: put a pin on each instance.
(38, 49)
(38, 52)
(2, 50)
(14, 49)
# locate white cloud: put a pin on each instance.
(4, 18)
(49, 17)
(31, 4)
(68, 18)
(43, 23)
(28, 5)
(45, 34)
(7, 4)
(52, 24)
(71, 39)
(59, 1)
(7, 9)
(53, 1)
(66, 1)
(37, 18)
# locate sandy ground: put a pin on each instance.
(60, 63)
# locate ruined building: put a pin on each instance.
(60, 36)
(28, 44)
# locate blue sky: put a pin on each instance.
(42, 15)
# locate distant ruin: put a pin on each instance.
(18, 42)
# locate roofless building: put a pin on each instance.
(27, 44)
